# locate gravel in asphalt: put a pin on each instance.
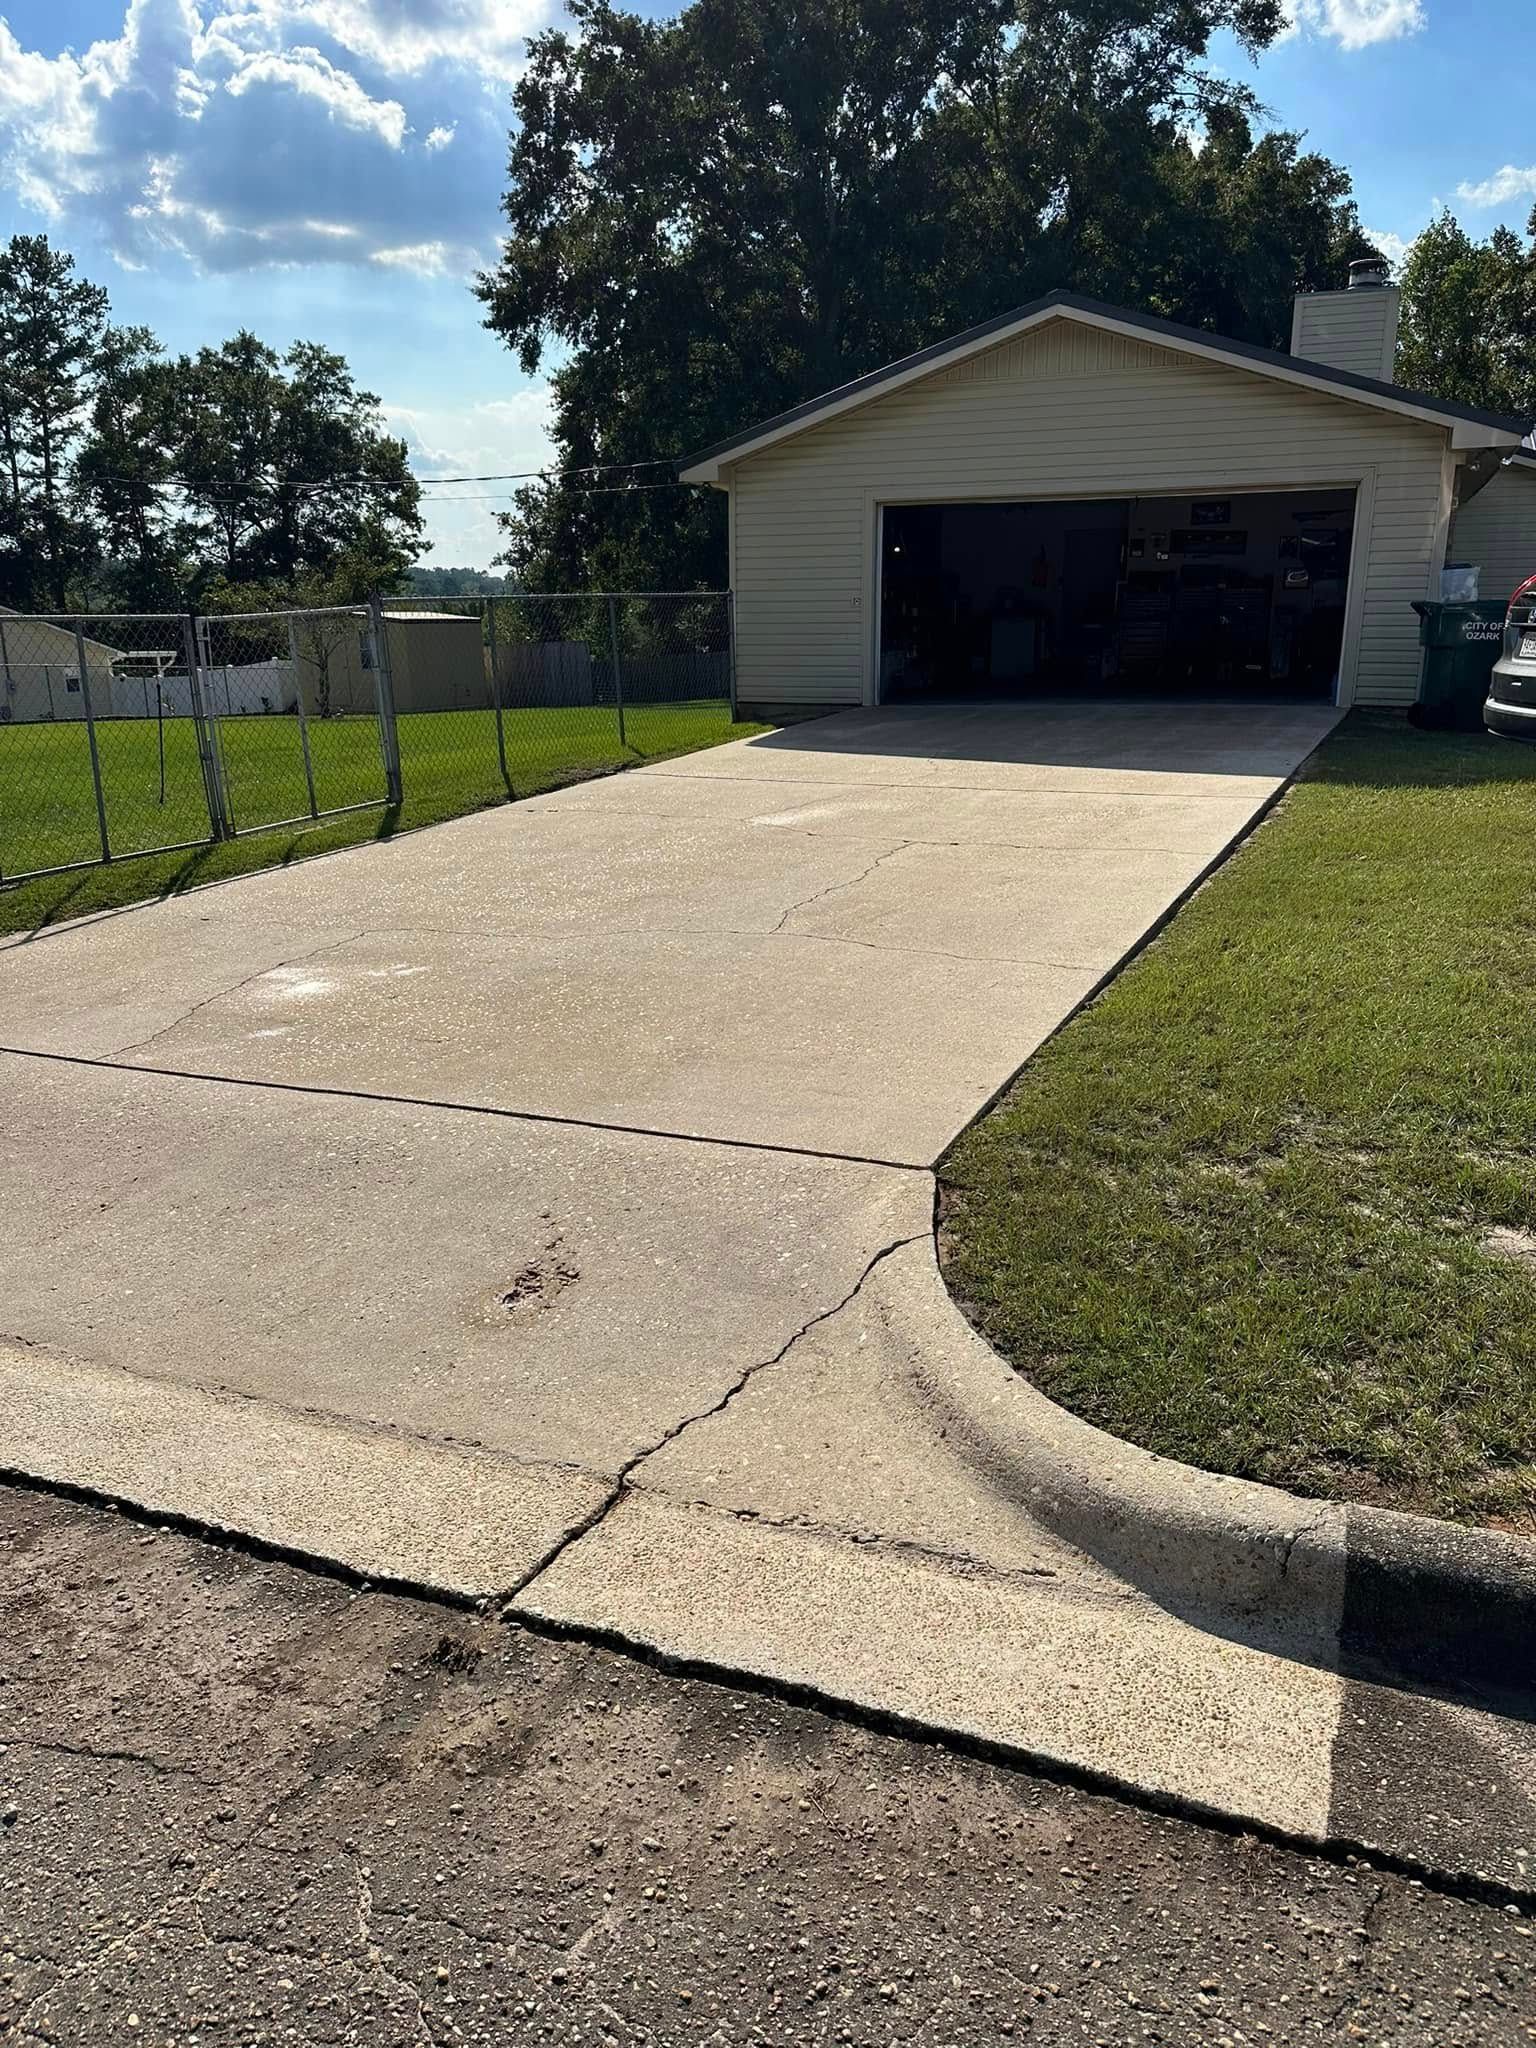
(242, 1804)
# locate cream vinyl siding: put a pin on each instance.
(1070, 411)
(1497, 530)
(1352, 330)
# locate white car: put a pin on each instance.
(1511, 704)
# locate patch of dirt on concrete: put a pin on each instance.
(539, 1284)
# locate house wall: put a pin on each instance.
(1497, 530)
(1068, 411)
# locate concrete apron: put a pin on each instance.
(260, 1277)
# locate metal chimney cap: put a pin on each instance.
(1369, 273)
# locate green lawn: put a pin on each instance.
(1264, 1206)
(448, 764)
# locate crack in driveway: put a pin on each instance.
(832, 888)
(621, 1484)
(273, 967)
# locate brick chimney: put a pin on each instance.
(1355, 329)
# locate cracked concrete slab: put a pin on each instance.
(669, 1348)
(552, 1293)
(720, 977)
(890, 1429)
(95, 988)
(578, 867)
(1019, 905)
(841, 1435)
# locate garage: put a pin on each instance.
(1078, 500)
(1228, 596)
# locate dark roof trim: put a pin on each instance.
(1147, 323)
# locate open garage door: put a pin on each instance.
(1236, 596)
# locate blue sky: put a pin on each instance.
(331, 169)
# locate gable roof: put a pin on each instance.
(1477, 427)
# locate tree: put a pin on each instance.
(124, 470)
(136, 480)
(51, 329)
(714, 217)
(1468, 328)
(428, 580)
(285, 470)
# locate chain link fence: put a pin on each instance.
(132, 734)
(519, 694)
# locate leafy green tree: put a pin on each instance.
(428, 580)
(132, 479)
(51, 328)
(123, 475)
(1468, 328)
(713, 217)
(1242, 225)
(285, 472)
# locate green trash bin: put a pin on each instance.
(1461, 643)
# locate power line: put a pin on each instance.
(586, 491)
(224, 486)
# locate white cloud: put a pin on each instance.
(426, 259)
(1355, 24)
(405, 37)
(1393, 246)
(493, 436)
(307, 73)
(1505, 185)
(248, 132)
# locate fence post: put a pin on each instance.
(730, 624)
(384, 692)
(298, 699)
(501, 737)
(618, 673)
(90, 733)
(207, 741)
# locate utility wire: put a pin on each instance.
(586, 491)
(216, 486)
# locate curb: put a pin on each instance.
(1398, 1598)
(442, 1520)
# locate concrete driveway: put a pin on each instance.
(725, 1013)
(840, 939)
(539, 1208)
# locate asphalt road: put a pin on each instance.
(241, 1804)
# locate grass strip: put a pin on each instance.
(1269, 1204)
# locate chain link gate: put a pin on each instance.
(105, 746)
(301, 713)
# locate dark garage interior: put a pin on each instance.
(1240, 595)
